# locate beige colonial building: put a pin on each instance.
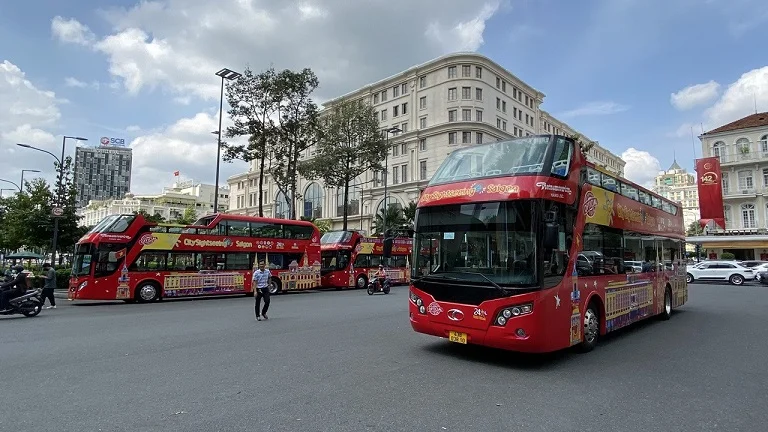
(742, 147)
(680, 186)
(456, 100)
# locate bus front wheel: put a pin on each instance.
(667, 313)
(362, 281)
(148, 292)
(274, 286)
(591, 328)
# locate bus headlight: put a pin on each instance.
(418, 302)
(506, 314)
(82, 285)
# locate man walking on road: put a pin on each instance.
(261, 284)
(50, 285)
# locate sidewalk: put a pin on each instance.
(60, 293)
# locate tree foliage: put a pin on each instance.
(395, 221)
(253, 101)
(350, 144)
(189, 217)
(153, 218)
(694, 229)
(297, 130)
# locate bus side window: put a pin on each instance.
(362, 261)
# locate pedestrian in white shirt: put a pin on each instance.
(261, 285)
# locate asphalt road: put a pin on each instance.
(344, 361)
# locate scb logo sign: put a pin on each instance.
(112, 141)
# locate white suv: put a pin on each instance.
(729, 271)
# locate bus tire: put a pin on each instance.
(147, 291)
(275, 287)
(667, 312)
(591, 332)
(362, 281)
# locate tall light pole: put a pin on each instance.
(229, 75)
(393, 129)
(8, 181)
(21, 184)
(57, 210)
(5, 189)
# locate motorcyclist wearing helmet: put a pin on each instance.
(13, 288)
(381, 276)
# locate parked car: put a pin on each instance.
(729, 271)
(752, 264)
(759, 270)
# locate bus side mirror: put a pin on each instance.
(388, 247)
(551, 236)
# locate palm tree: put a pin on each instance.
(409, 213)
(394, 217)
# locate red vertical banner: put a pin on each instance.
(710, 187)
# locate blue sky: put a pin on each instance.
(144, 72)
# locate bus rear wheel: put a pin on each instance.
(667, 312)
(147, 292)
(362, 281)
(274, 286)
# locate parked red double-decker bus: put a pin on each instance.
(125, 257)
(350, 259)
(521, 245)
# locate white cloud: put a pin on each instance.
(739, 99)
(596, 109)
(178, 45)
(641, 167)
(187, 146)
(74, 82)
(686, 130)
(695, 95)
(30, 115)
(71, 31)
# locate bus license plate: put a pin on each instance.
(457, 337)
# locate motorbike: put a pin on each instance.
(374, 286)
(30, 304)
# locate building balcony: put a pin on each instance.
(739, 158)
(735, 192)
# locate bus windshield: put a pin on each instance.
(107, 221)
(81, 263)
(332, 237)
(480, 242)
(517, 156)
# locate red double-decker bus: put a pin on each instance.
(124, 257)
(521, 245)
(350, 259)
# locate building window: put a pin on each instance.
(423, 170)
(281, 206)
(498, 103)
(466, 137)
(422, 82)
(745, 180)
(395, 111)
(514, 92)
(478, 72)
(313, 201)
(405, 108)
(396, 91)
(748, 219)
(452, 94)
(504, 126)
(478, 94)
(466, 115)
(498, 123)
(504, 86)
(479, 115)
(353, 199)
(395, 175)
(718, 150)
(466, 71)
(498, 82)
(404, 128)
(404, 173)
(764, 143)
(404, 88)
(376, 98)
(452, 115)
(452, 138)
(403, 148)
(478, 138)
(383, 115)
(423, 123)
(504, 106)
(423, 102)
(451, 71)
(383, 95)
(466, 93)
(396, 150)
(423, 144)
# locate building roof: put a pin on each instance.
(751, 121)
(675, 166)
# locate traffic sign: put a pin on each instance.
(57, 211)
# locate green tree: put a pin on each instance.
(28, 219)
(69, 223)
(323, 225)
(350, 144)
(584, 144)
(155, 218)
(189, 217)
(297, 130)
(253, 101)
(395, 220)
(409, 214)
(694, 229)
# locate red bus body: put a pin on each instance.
(548, 313)
(350, 259)
(125, 255)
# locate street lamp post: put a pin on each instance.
(8, 181)
(21, 184)
(229, 75)
(393, 129)
(59, 189)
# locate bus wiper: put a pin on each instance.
(497, 286)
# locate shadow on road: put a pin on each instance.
(497, 357)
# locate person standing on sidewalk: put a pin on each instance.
(261, 284)
(50, 285)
